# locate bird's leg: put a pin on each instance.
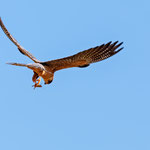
(37, 82)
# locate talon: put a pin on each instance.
(37, 84)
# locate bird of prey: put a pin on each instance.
(47, 69)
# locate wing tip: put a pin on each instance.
(116, 42)
(116, 46)
(109, 42)
(8, 63)
(119, 50)
(1, 21)
(17, 64)
(121, 43)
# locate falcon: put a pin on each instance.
(47, 69)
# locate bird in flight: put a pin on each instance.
(47, 69)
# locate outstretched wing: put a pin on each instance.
(84, 58)
(20, 48)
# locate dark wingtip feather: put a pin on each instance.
(115, 42)
(109, 43)
(1, 22)
(116, 46)
(119, 50)
(120, 44)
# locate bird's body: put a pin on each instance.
(47, 69)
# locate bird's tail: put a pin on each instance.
(17, 64)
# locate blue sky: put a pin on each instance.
(104, 106)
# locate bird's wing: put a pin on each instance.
(86, 57)
(20, 48)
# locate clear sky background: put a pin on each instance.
(104, 106)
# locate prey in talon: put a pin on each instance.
(37, 83)
(36, 79)
(46, 69)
